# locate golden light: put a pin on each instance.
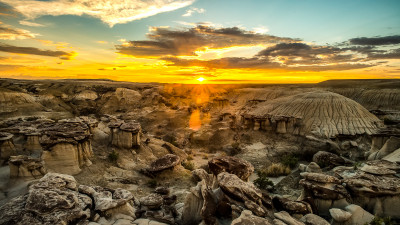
(201, 79)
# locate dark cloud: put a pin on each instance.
(35, 51)
(166, 41)
(387, 40)
(261, 63)
(282, 54)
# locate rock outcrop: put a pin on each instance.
(321, 113)
(57, 199)
(168, 161)
(64, 146)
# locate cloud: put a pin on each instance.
(190, 12)
(35, 51)
(31, 24)
(110, 12)
(387, 40)
(102, 42)
(10, 33)
(167, 41)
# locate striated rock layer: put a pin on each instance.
(321, 113)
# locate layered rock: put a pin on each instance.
(26, 167)
(56, 199)
(375, 187)
(323, 191)
(125, 134)
(321, 113)
(168, 161)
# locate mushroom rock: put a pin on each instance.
(7, 147)
(240, 167)
(125, 134)
(325, 191)
(321, 113)
(22, 166)
(375, 187)
(66, 147)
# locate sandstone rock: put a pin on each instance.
(286, 218)
(241, 168)
(393, 157)
(53, 200)
(358, 215)
(391, 145)
(163, 163)
(125, 134)
(323, 191)
(339, 215)
(152, 201)
(247, 218)
(175, 150)
(201, 174)
(312, 219)
(325, 159)
(293, 207)
(313, 168)
(26, 167)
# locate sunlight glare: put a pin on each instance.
(201, 79)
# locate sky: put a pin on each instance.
(180, 41)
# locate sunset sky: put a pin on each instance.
(223, 41)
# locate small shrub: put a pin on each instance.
(188, 165)
(380, 221)
(113, 156)
(262, 181)
(356, 165)
(276, 170)
(289, 161)
(205, 156)
(189, 157)
(152, 183)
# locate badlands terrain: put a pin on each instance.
(105, 152)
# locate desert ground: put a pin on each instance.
(106, 152)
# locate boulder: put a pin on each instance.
(166, 162)
(325, 159)
(152, 201)
(286, 218)
(312, 219)
(313, 168)
(352, 215)
(391, 145)
(293, 207)
(339, 215)
(54, 199)
(240, 167)
(246, 192)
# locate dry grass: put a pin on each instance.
(276, 170)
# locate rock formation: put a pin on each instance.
(57, 199)
(7, 147)
(233, 165)
(22, 166)
(125, 135)
(321, 113)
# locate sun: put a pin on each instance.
(201, 79)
